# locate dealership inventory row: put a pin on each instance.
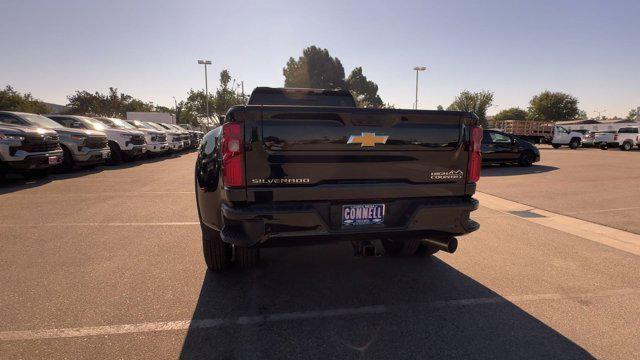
(33, 144)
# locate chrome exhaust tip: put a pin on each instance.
(448, 244)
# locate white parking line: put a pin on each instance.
(304, 315)
(619, 239)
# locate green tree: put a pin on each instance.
(633, 114)
(476, 102)
(553, 106)
(316, 68)
(12, 100)
(440, 108)
(364, 91)
(113, 103)
(195, 106)
(226, 96)
(513, 113)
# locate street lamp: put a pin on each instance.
(206, 85)
(418, 69)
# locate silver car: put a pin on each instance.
(80, 147)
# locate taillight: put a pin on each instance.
(232, 154)
(615, 137)
(475, 154)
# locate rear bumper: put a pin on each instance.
(311, 222)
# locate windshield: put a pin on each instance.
(42, 121)
(92, 124)
(166, 126)
(156, 126)
(176, 127)
(141, 125)
(123, 124)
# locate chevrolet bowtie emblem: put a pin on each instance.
(367, 139)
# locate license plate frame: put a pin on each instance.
(359, 215)
(53, 160)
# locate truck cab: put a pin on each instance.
(563, 136)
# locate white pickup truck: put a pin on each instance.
(626, 138)
(562, 136)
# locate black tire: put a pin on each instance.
(526, 158)
(604, 146)
(574, 143)
(67, 159)
(397, 247)
(116, 153)
(217, 254)
(556, 146)
(626, 146)
(247, 256)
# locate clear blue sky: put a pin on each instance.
(148, 49)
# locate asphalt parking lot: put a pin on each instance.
(107, 264)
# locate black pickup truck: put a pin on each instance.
(305, 166)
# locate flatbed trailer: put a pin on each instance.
(532, 130)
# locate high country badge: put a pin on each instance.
(447, 175)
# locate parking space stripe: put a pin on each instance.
(303, 315)
(615, 238)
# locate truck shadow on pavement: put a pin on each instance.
(506, 170)
(311, 303)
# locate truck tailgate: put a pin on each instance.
(342, 153)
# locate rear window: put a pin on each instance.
(301, 97)
(628, 130)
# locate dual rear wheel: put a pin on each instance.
(219, 255)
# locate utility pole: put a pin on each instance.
(242, 85)
(417, 69)
(206, 84)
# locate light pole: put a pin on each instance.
(206, 85)
(175, 108)
(418, 69)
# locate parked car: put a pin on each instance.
(312, 167)
(627, 137)
(81, 147)
(563, 136)
(156, 139)
(191, 128)
(184, 134)
(604, 139)
(174, 137)
(125, 141)
(28, 150)
(589, 138)
(193, 140)
(502, 148)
